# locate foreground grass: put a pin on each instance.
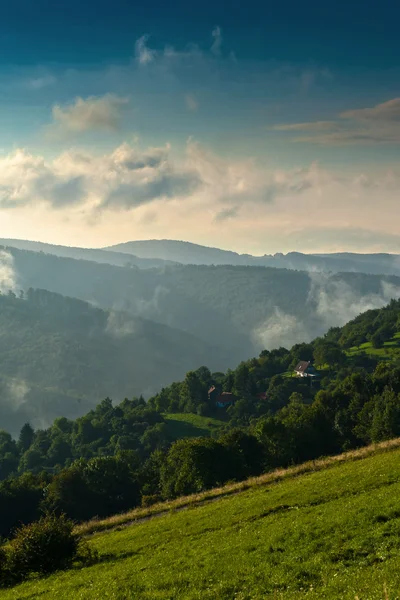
(333, 533)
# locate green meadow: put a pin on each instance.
(181, 425)
(330, 533)
(389, 351)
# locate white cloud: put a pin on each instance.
(125, 178)
(93, 113)
(144, 54)
(217, 43)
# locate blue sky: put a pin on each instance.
(230, 116)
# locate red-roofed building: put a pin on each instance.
(221, 399)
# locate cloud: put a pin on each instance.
(226, 213)
(95, 113)
(377, 125)
(144, 55)
(192, 103)
(312, 126)
(124, 179)
(382, 136)
(191, 194)
(334, 303)
(39, 83)
(217, 43)
(387, 111)
(280, 329)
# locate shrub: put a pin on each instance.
(4, 568)
(42, 547)
(149, 500)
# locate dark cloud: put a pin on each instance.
(164, 185)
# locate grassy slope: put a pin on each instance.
(390, 350)
(332, 533)
(191, 425)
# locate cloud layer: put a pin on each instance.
(132, 192)
(379, 124)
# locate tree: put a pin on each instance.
(26, 437)
(329, 353)
(386, 416)
(193, 465)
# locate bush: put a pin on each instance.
(149, 500)
(42, 547)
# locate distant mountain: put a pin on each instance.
(60, 356)
(93, 254)
(238, 310)
(188, 253)
(181, 252)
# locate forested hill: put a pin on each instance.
(59, 356)
(239, 309)
(118, 456)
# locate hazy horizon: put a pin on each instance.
(199, 243)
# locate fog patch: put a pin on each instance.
(152, 307)
(18, 390)
(336, 302)
(8, 277)
(120, 325)
(281, 329)
(331, 302)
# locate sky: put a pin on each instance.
(262, 127)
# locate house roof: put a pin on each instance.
(212, 389)
(302, 366)
(226, 397)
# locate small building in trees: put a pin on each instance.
(304, 368)
(221, 399)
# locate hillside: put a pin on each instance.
(189, 253)
(93, 254)
(241, 310)
(60, 356)
(332, 533)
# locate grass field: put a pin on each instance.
(333, 533)
(190, 425)
(390, 350)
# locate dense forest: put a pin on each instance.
(117, 457)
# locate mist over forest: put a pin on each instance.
(121, 331)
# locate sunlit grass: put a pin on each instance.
(333, 532)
